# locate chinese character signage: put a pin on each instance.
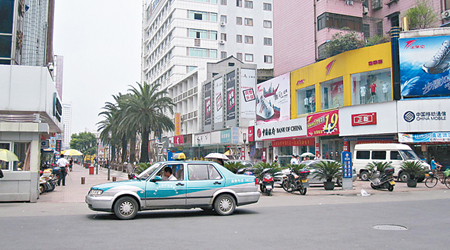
(423, 115)
(273, 100)
(225, 136)
(231, 95)
(323, 123)
(278, 130)
(424, 66)
(426, 137)
(178, 140)
(218, 98)
(177, 123)
(248, 94)
(208, 104)
(364, 119)
(347, 164)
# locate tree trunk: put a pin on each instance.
(133, 148)
(113, 157)
(144, 146)
(124, 149)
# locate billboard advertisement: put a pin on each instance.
(424, 66)
(231, 95)
(427, 137)
(273, 100)
(218, 100)
(248, 95)
(208, 104)
(423, 115)
(326, 123)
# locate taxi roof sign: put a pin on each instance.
(179, 156)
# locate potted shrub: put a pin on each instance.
(328, 170)
(413, 169)
(377, 166)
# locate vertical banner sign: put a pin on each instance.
(323, 123)
(218, 98)
(347, 164)
(231, 96)
(208, 104)
(177, 123)
(248, 94)
(58, 145)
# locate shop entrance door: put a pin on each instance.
(332, 149)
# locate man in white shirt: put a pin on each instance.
(62, 163)
(294, 160)
(168, 176)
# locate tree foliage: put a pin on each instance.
(422, 16)
(85, 142)
(343, 42)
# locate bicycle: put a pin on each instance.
(432, 179)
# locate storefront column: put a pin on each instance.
(317, 146)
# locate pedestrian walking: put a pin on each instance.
(70, 164)
(62, 163)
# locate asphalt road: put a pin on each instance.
(277, 222)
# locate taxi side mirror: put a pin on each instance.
(156, 179)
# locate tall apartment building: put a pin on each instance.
(67, 125)
(300, 36)
(181, 36)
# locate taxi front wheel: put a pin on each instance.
(224, 204)
(125, 208)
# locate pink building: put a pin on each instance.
(301, 28)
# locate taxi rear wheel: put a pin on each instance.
(224, 204)
(125, 208)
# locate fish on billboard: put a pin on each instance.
(425, 66)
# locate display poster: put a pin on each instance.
(231, 95)
(425, 137)
(326, 123)
(208, 104)
(424, 66)
(273, 100)
(218, 97)
(248, 95)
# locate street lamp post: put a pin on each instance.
(244, 138)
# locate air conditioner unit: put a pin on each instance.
(446, 14)
(365, 10)
(222, 24)
(222, 42)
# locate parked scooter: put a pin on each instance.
(384, 180)
(47, 181)
(266, 181)
(294, 182)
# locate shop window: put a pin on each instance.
(332, 94)
(371, 87)
(306, 100)
(22, 150)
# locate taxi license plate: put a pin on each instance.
(306, 180)
(392, 183)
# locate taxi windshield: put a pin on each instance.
(149, 171)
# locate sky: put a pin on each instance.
(100, 41)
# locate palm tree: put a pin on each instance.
(146, 111)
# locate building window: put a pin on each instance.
(223, 36)
(337, 21)
(197, 15)
(223, 18)
(239, 3)
(213, 53)
(366, 30)
(223, 55)
(239, 38)
(267, 24)
(268, 41)
(267, 6)
(239, 56)
(267, 59)
(248, 21)
(239, 20)
(379, 28)
(200, 52)
(306, 100)
(213, 17)
(249, 39)
(371, 87)
(249, 4)
(223, 2)
(194, 33)
(249, 57)
(332, 93)
(213, 35)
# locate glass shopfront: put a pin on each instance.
(371, 87)
(306, 100)
(332, 92)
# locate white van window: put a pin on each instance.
(378, 155)
(409, 155)
(395, 155)
(363, 155)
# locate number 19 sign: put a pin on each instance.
(326, 123)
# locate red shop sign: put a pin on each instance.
(294, 142)
(178, 140)
(323, 123)
(251, 133)
(364, 119)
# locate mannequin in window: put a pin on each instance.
(306, 104)
(312, 103)
(385, 90)
(373, 88)
(362, 94)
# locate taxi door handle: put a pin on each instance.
(180, 184)
(217, 183)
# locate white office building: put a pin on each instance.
(181, 36)
(67, 125)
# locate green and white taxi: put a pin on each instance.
(176, 184)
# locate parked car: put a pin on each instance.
(194, 184)
(280, 176)
(245, 163)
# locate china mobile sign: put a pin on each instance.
(429, 115)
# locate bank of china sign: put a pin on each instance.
(278, 130)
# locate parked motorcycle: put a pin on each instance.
(47, 181)
(294, 182)
(384, 180)
(266, 181)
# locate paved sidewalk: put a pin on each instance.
(74, 191)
